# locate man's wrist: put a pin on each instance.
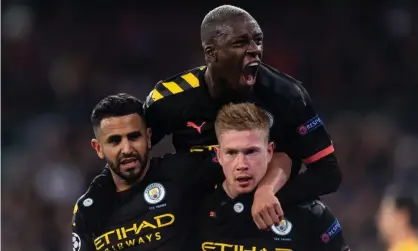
(265, 188)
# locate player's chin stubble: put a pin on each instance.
(133, 175)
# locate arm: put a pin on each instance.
(309, 141)
(278, 173)
(266, 209)
(158, 117)
(303, 137)
(326, 232)
(321, 177)
(92, 209)
(81, 239)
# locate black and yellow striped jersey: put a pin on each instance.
(179, 106)
(183, 107)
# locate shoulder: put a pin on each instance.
(310, 213)
(315, 208)
(77, 220)
(280, 85)
(183, 160)
(86, 201)
(186, 166)
(175, 86)
(97, 196)
(320, 215)
(187, 156)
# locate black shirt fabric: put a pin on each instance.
(183, 107)
(155, 214)
(226, 224)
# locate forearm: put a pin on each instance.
(278, 173)
(321, 178)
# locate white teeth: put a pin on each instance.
(128, 161)
(254, 64)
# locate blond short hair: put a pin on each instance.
(241, 117)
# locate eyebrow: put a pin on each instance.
(246, 35)
(117, 137)
(253, 148)
(113, 138)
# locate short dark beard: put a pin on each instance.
(130, 179)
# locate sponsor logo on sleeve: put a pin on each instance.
(309, 126)
(76, 242)
(331, 232)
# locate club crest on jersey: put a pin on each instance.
(238, 207)
(154, 193)
(76, 242)
(309, 126)
(283, 228)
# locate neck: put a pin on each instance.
(123, 185)
(214, 89)
(229, 190)
(220, 90)
(400, 236)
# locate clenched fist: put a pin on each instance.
(266, 209)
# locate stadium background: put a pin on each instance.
(358, 60)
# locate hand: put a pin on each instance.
(266, 209)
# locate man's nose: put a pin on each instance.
(126, 147)
(254, 50)
(241, 162)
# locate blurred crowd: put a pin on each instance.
(358, 60)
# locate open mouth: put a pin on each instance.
(243, 179)
(250, 72)
(128, 162)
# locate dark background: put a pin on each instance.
(359, 61)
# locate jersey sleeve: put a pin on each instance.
(158, 116)
(82, 240)
(326, 232)
(306, 135)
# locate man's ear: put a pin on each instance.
(210, 53)
(218, 154)
(96, 146)
(270, 151)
